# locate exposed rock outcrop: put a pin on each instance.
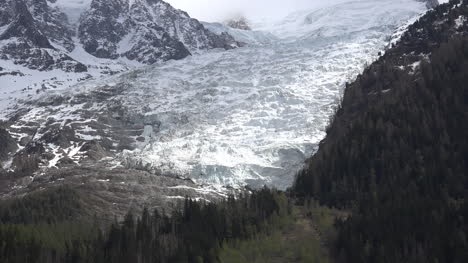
(146, 31)
(7, 145)
(239, 23)
(25, 41)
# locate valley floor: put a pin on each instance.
(304, 237)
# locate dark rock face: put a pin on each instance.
(6, 15)
(239, 23)
(23, 26)
(100, 30)
(26, 37)
(146, 31)
(37, 35)
(189, 31)
(7, 145)
(52, 22)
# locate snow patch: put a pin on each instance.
(125, 44)
(24, 84)
(104, 180)
(3, 28)
(57, 156)
(460, 21)
(72, 8)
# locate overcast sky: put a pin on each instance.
(218, 10)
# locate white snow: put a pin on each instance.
(460, 21)
(57, 156)
(72, 8)
(208, 190)
(73, 151)
(198, 199)
(3, 28)
(104, 180)
(175, 197)
(15, 88)
(125, 44)
(415, 65)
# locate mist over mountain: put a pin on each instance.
(220, 10)
(217, 11)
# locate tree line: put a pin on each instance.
(195, 233)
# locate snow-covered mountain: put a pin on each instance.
(250, 115)
(26, 31)
(45, 44)
(147, 31)
(143, 30)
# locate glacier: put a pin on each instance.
(251, 115)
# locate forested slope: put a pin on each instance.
(31, 232)
(396, 152)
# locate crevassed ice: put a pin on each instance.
(253, 115)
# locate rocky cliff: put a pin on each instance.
(38, 34)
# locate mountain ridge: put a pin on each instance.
(158, 32)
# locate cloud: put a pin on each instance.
(217, 10)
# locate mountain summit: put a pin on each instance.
(239, 22)
(144, 30)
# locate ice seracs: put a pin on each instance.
(252, 116)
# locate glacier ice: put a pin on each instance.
(254, 114)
